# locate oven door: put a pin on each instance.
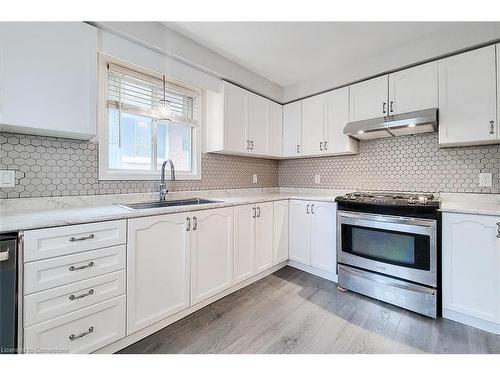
(397, 246)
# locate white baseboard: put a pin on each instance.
(139, 335)
(315, 271)
(472, 321)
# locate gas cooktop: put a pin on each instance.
(382, 198)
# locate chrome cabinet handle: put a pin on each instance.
(298, 149)
(4, 255)
(258, 211)
(383, 107)
(188, 224)
(391, 106)
(307, 209)
(254, 215)
(74, 239)
(195, 223)
(73, 268)
(498, 229)
(321, 146)
(492, 127)
(251, 145)
(312, 208)
(74, 337)
(248, 144)
(326, 145)
(89, 293)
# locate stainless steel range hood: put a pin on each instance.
(425, 121)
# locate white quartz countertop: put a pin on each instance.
(34, 213)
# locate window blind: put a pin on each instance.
(138, 93)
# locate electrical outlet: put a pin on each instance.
(485, 179)
(7, 178)
(317, 179)
(254, 179)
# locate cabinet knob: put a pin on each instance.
(307, 209)
(188, 224)
(492, 127)
(298, 149)
(195, 223)
(325, 144)
(321, 146)
(251, 145)
(312, 209)
(383, 107)
(391, 106)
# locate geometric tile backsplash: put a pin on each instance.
(47, 166)
(405, 163)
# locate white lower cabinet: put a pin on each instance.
(313, 234)
(82, 331)
(253, 239)
(471, 269)
(158, 271)
(280, 251)
(211, 252)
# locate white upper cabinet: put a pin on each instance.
(468, 98)
(413, 89)
(471, 269)
(369, 99)
(292, 129)
(275, 130)
(335, 142)
(313, 118)
(48, 75)
(241, 122)
(157, 268)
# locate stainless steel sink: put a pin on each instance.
(171, 203)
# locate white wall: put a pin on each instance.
(432, 46)
(182, 56)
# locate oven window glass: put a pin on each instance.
(399, 248)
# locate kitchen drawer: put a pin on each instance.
(53, 242)
(82, 331)
(71, 297)
(54, 272)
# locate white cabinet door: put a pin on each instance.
(368, 99)
(211, 252)
(467, 98)
(336, 118)
(244, 241)
(323, 236)
(414, 89)
(235, 118)
(264, 236)
(280, 231)
(48, 78)
(471, 265)
(313, 124)
(292, 128)
(157, 268)
(300, 232)
(258, 119)
(275, 129)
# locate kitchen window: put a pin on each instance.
(134, 140)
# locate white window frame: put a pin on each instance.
(103, 131)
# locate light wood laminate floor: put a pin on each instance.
(292, 311)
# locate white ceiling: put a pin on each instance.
(291, 52)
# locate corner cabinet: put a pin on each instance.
(468, 99)
(313, 236)
(240, 122)
(471, 270)
(48, 78)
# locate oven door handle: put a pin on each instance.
(410, 226)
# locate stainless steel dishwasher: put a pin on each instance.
(8, 294)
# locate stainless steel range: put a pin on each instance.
(388, 248)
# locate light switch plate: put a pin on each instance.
(254, 179)
(7, 178)
(317, 179)
(485, 179)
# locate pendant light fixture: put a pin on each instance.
(164, 104)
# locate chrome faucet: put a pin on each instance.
(163, 187)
